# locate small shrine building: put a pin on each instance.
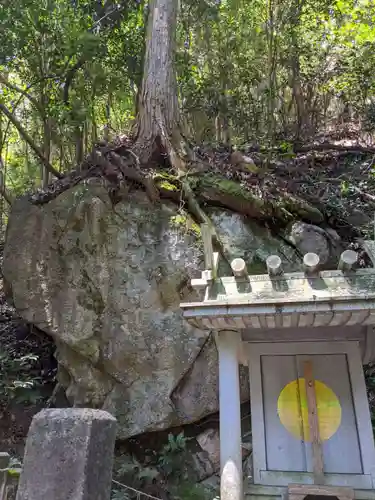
(304, 337)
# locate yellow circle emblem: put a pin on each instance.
(293, 411)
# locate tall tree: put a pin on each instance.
(158, 120)
(159, 125)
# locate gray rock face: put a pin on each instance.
(202, 465)
(209, 441)
(106, 282)
(309, 238)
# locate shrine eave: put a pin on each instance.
(331, 298)
(245, 316)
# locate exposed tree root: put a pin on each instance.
(190, 179)
(180, 159)
(194, 188)
(136, 174)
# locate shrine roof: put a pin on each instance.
(326, 286)
(330, 298)
(275, 300)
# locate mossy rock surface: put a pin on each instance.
(107, 281)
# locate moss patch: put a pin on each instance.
(89, 348)
(234, 196)
(185, 223)
(166, 181)
(226, 186)
(301, 208)
(167, 185)
(282, 206)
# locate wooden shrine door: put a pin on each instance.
(282, 434)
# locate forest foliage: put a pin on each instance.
(269, 73)
(265, 71)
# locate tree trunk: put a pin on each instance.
(46, 178)
(107, 125)
(297, 93)
(295, 83)
(78, 133)
(272, 52)
(158, 127)
(158, 120)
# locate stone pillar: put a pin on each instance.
(231, 481)
(68, 456)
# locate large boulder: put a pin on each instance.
(106, 282)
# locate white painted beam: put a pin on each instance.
(231, 480)
(207, 244)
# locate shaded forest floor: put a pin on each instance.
(27, 374)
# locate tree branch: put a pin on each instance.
(23, 92)
(29, 141)
(109, 20)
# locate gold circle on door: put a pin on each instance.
(293, 410)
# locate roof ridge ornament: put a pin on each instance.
(238, 267)
(277, 299)
(311, 263)
(274, 265)
(348, 259)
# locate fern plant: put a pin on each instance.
(120, 495)
(172, 455)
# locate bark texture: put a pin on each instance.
(158, 112)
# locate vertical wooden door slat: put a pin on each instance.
(283, 450)
(318, 467)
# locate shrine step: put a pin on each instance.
(260, 492)
(302, 491)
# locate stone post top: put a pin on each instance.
(82, 414)
(68, 455)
